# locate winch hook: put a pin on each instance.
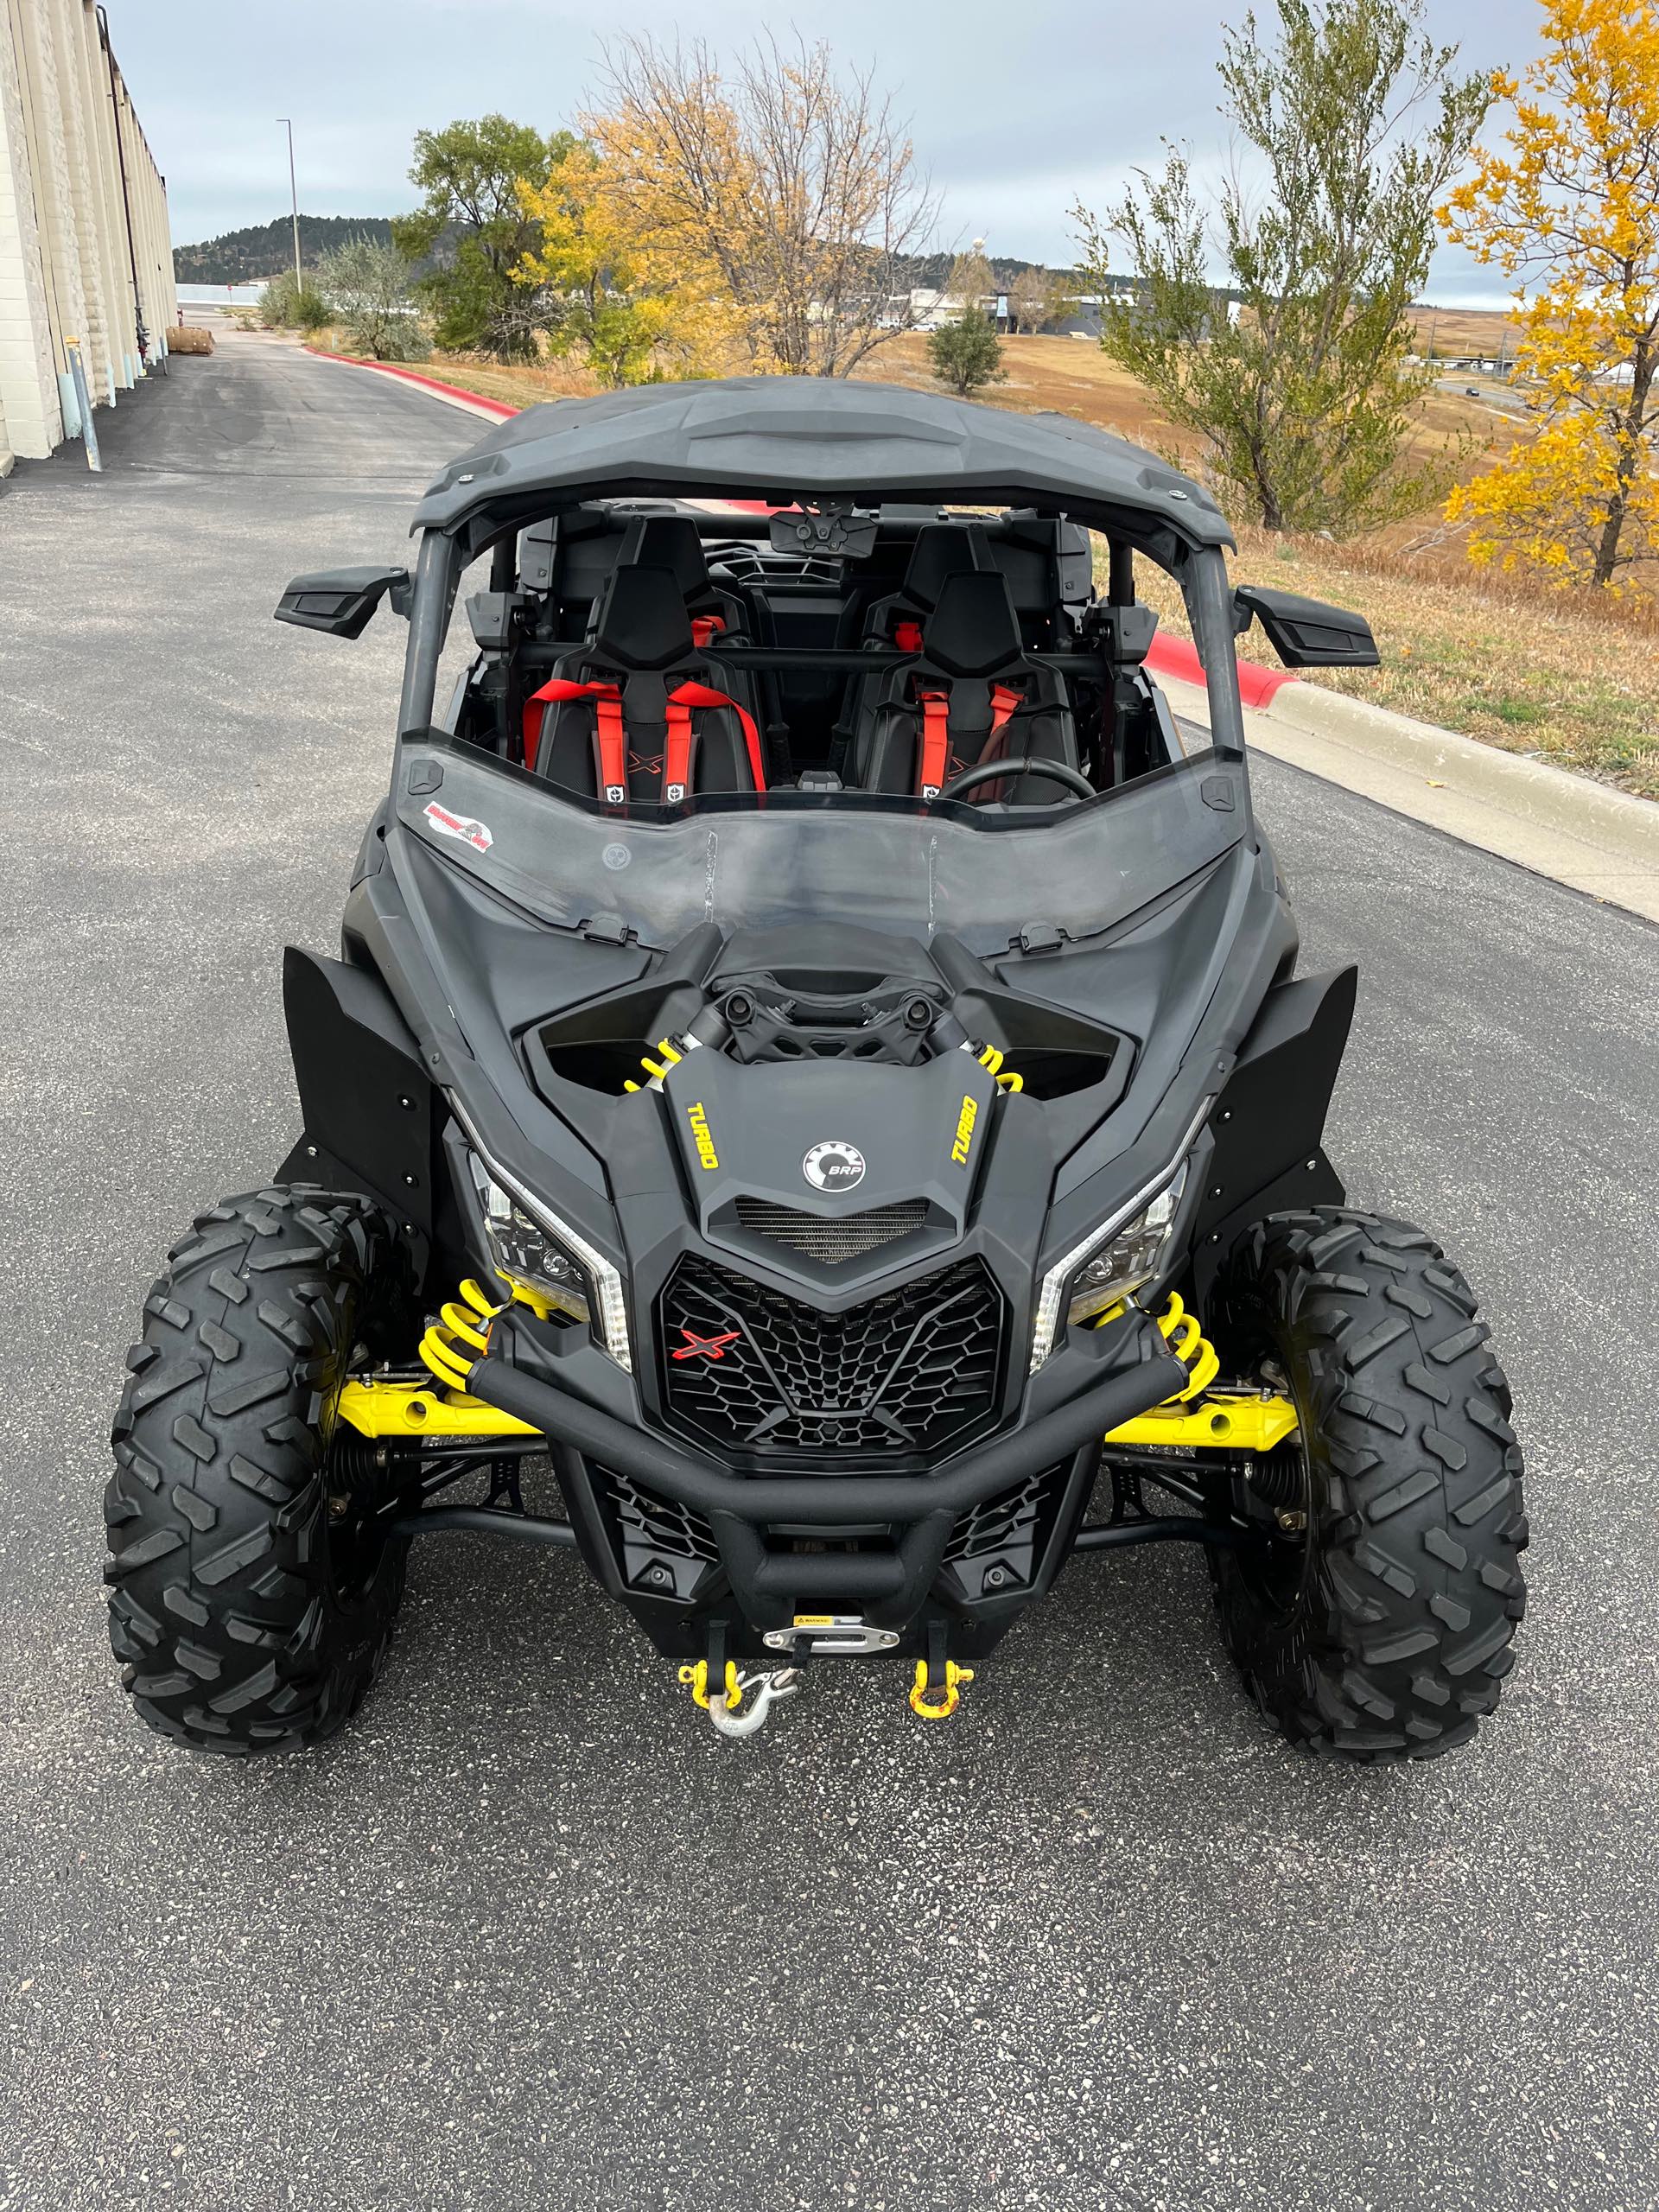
(724, 1709)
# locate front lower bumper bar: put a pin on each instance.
(1147, 1376)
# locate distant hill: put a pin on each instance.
(265, 249)
(246, 256)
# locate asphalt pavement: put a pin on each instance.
(529, 1934)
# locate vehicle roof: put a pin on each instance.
(776, 437)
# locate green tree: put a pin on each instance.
(966, 353)
(286, 305)
(368, 285)
(473, 221)
(1296, 375)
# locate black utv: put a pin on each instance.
(816, 1111)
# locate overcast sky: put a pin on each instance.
(1017, 108)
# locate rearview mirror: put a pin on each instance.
(1305, 633)
(341, 600)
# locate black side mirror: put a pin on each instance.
(1305, 633)
(341, 600)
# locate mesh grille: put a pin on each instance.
(906, 1371)
(996, 1544)
(840, 1236)
(664, 1548)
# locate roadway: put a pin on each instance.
(529, 1934)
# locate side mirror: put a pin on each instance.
(341, 600)
(1305, 633)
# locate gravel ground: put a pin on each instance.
(530, 1935)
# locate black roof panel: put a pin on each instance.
(750, 436)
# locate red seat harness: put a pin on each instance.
(934, 763)
(611, 738)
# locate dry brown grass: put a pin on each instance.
(1531, 670)
(1479, 333)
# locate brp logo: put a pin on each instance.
(834, 1166)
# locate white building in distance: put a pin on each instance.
(86, 253)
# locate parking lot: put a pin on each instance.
(530, 1935)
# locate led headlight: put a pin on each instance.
(532, 1248)
(1114, 1259)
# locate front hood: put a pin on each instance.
(830, 1140)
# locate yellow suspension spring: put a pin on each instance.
(460, 1335)
(1186, 1339)
(671, 1054)
(991, 1058)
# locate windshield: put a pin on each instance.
(987, 877)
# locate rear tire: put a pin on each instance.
(1380, 1630)
(253, 1594)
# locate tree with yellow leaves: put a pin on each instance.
(1573, 210)
(625, 312)
(784, 194)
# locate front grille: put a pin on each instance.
(834, 1238)
(664, 1549)
(995, 1544)
(908, 1371)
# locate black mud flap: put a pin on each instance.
(1268, 1123)
(368, 1107)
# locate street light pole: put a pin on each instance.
(294, 198)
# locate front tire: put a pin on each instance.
(1373, 1619)
(253, 1593)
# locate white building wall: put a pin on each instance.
(85, 249)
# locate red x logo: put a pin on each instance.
(715, 1346)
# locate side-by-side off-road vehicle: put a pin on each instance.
(816, 1111)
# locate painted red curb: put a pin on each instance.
(1175, 657)
(496, 407)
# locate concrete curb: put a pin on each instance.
(1536, 790)
(1559, 825)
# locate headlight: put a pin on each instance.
(532, 1248)
(1116, 1258)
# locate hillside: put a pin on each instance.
(262, 250)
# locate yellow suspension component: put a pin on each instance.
(671, 1056)
(414, 1410)
(1222, 1421)
(1227, 1420)
(1186, 1339)
(945, 1703)
(450, 1345)
(991, 1058)
(450, 1348)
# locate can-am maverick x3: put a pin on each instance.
(816, 1051)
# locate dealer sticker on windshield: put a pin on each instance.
(460, 825)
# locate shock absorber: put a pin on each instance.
(708, 1027)
(948, 1035)
(459, 1336)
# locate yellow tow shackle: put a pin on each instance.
(941, 1707)
(695, 1679)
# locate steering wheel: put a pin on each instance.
(990, 771)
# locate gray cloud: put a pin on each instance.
(1016, 111)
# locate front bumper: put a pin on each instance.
(873, 1545)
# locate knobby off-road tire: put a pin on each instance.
(1383, 1630)
(246, 1614)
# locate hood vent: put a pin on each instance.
(829, 1239)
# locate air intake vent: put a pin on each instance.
(832, 1238)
